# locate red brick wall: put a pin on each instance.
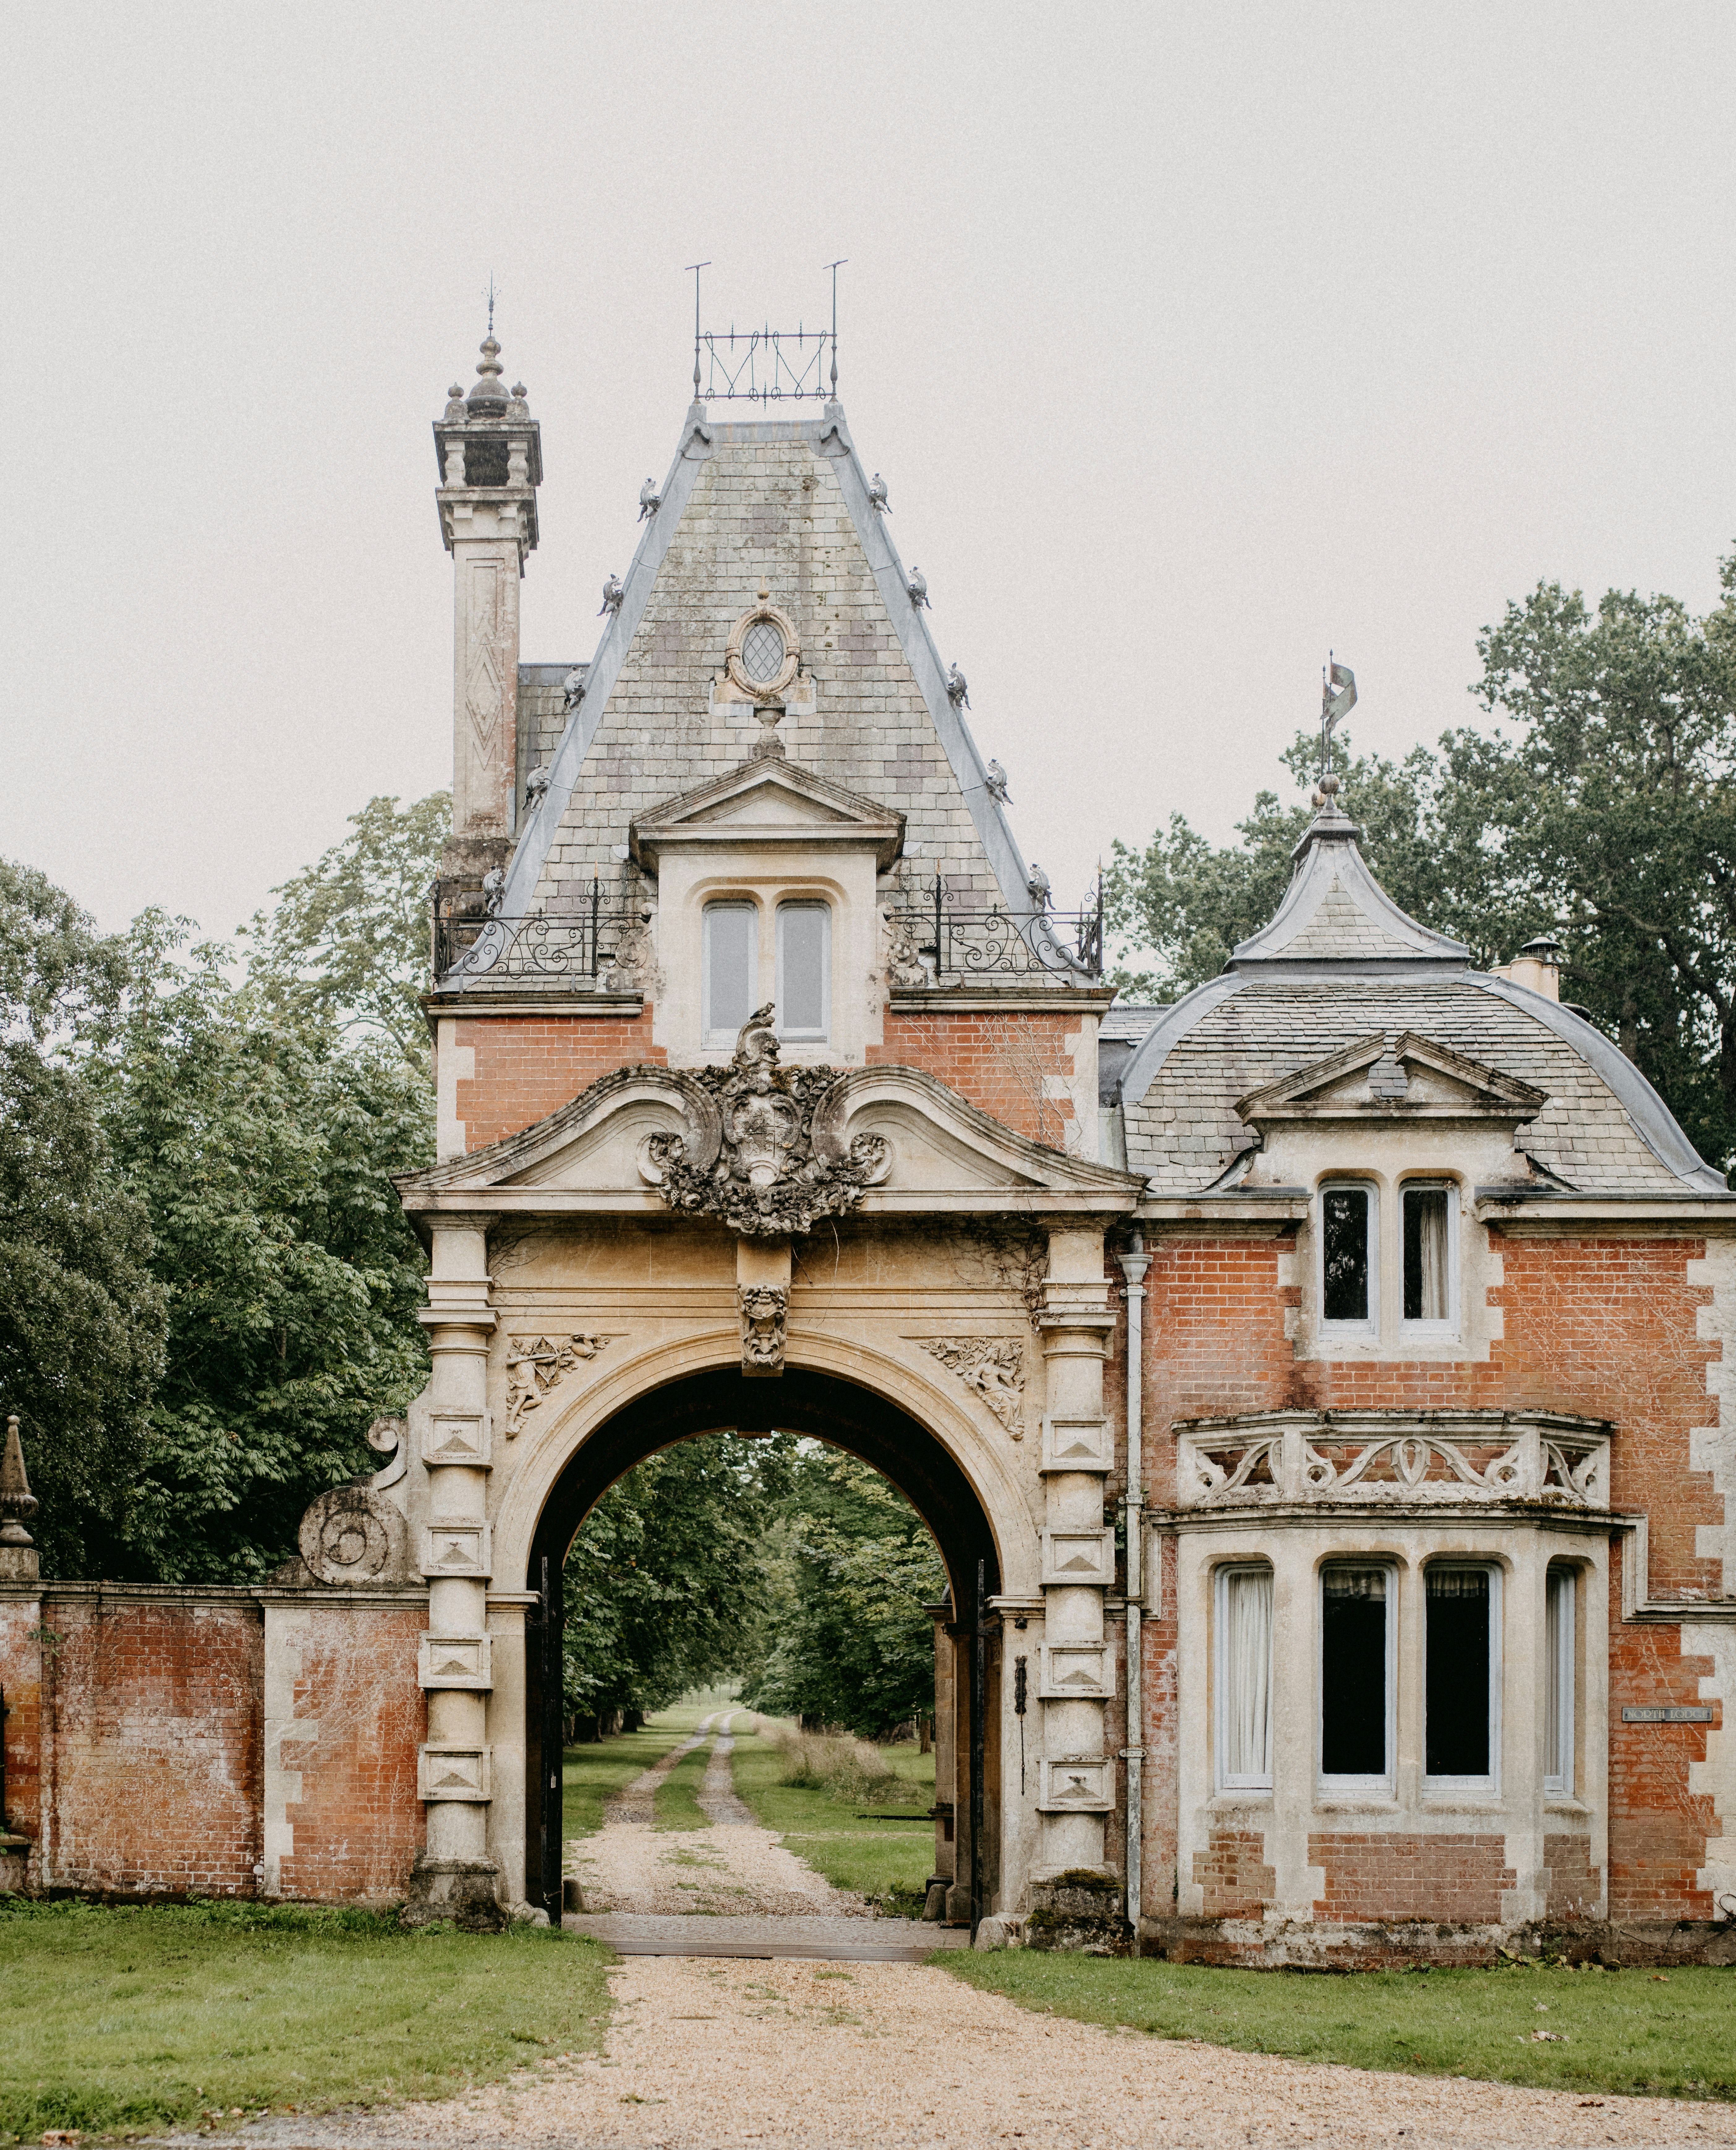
(1003, 1063)
(358, 1825)
(154, 1757)
(1232, 1868)
(21, 1687)
(1575, 1887)
(1402, 1878)
(1602, 1324)
(529, 1066)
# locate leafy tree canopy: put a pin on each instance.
(666, 1585)
(347, 944)
(851, 1642)
(261, 1146)
(1597, 808)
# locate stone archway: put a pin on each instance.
(845, 1415)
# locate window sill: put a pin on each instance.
(1438, 1803)
(1351, 1803)
(1241, 1802)
(1562, 1803)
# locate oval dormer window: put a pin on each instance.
(762, 651)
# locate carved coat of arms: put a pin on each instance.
(762, 1150)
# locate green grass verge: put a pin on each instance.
(888, 1860)
(1621, 2032)
(675, 1805)
(590, 1775)
(141, 2017)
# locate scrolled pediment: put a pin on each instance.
(769, 1151)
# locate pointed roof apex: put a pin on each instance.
(1335, 917)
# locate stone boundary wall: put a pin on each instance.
(165, 1741)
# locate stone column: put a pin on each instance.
(1076, 1787)
(456, 1878)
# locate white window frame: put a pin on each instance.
(1424, 1184)
(1491, 1781)
(1561, 1612)
(806, 903)
(1370, 1192)
(1221, 1678)
(710, 1034)
(1385, 1786)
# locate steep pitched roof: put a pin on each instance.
(782, 501)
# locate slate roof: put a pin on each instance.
(1341, 962)
(784, 502)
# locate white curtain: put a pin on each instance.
(1558, 1701)
(1247, 1674)
(1431, 1248)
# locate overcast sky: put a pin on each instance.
(1190, 339)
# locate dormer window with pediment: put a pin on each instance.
(1392, 1137)
(766, 888)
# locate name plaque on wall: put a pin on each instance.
(1692, 1713)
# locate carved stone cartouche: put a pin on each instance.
(762, 1152)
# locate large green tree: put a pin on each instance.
(347, 944)
(82, 1315)
(261, 1145)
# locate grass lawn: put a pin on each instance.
(889, 1860)
(133, 2019)
(675, 1805)
(590, 1774)
(1628, 2031)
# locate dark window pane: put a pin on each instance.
(1425, 1254)
(1344, 1211)
(1353, 1672)
(1456, 1737)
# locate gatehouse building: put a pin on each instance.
(1314, 1387)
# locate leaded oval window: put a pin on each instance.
(762, 650)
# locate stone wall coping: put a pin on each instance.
(213, 1593)
(558, 996)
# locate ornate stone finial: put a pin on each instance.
(877, 495)
(958, 689)
(768, 747)
(18, 1504)
(489, 395)
(916, 582)
(612, 594)
(650, 499)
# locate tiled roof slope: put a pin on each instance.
(785, 503)
(1339, 961)
(1183, 1130)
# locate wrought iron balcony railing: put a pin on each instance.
(603, 941)
(942, 940)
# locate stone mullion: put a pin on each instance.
(456, 1877)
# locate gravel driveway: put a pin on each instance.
(839, 2056)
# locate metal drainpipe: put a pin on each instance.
(1134, 1263)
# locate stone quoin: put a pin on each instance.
(1315, 1387)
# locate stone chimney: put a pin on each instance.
(19, 1561)
(490, 454)
(1537, 964)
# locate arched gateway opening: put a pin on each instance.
(844, 1414)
